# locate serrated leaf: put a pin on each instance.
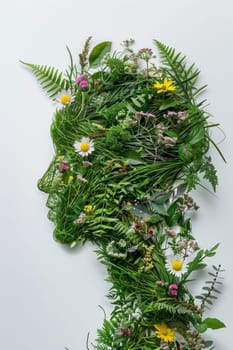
(98, 52)
(214, 323)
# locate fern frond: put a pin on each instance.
(121, 229)
(171, 308)
(50, 79)
(185, 77)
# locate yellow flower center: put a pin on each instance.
(65, 99)
(164, 87)
(84, 146)
(147, 219)
(177, 265)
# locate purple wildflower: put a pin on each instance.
(80, 78)
(173, 289)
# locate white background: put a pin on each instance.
(49, 295)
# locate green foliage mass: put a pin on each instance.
(131, 141)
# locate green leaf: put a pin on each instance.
(215, 247)
(208, 343)
(213, 323)
(159, 208)
(186, 152)
(73, 244)
(196, 135)
(133, 157)
(202, 327)
(98, 52)
(163, 198)
(169, 104)
(200, 266)
(173, 215)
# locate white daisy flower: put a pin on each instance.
(176, 265)
(84, 147)
(64, 98)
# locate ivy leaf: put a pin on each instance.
(98, 52)
(213, 323)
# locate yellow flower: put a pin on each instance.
(150, 266)
(88, 208)
(165, 86)
(147, 219)
(70, 179)
(164, 332)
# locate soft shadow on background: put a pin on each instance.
(49, 296)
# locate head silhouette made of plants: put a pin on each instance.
(131, 140)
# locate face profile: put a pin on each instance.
(131, 142)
